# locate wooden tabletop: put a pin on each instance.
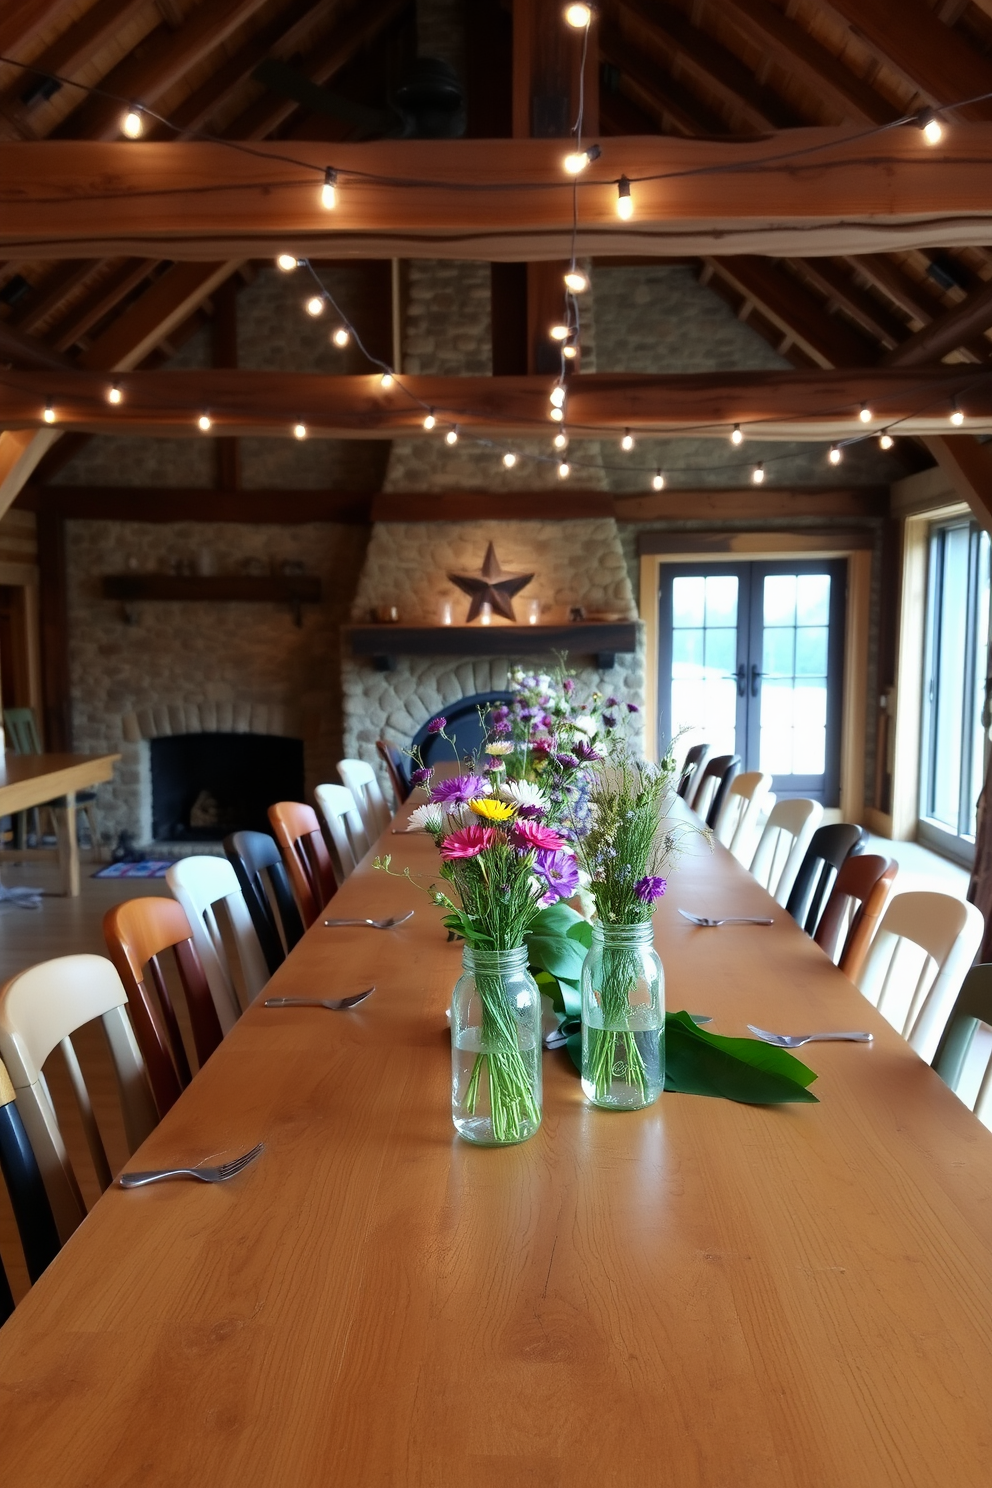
(701, 1293)
(31, 779)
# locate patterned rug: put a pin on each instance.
(147, 868)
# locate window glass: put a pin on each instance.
(796, 610)
(704, 661)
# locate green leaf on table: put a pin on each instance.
(557, 942)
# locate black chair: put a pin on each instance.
(257, 861)
(722, 768)
(695, 757)
(29, 1201)
(464, 722)
(828, 849)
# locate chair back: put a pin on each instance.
(783, 845)
(828, 847)
(714, 782)
(137, 933)
(42, 1007)
(851, 914)
(304, 851)
(200, 884)
(26, 1191)
(393, 761)
(363, 782)
(345, 825)
(972, 1007)
(261, 872)
(695, 757)
(21, 729)
(737, 824)
(949, 932)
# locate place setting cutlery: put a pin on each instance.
(708, 924)
(796, 1040)
(332, 1004)
(219, 1173)
(390, 924)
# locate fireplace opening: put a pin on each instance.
(206, 785)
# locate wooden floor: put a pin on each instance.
(59, 928)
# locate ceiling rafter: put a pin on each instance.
(931, 56)
(784, 301)
(22, 22)
(946, 333)
(673, 100)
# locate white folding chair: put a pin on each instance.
(787, 834)
(200, 884)
(362, 781)
(42, 1007)
(948, 932)
(348, 836)
(736, 826)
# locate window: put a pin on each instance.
(956, 650)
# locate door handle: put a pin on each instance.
(740, 677)
(756, 676)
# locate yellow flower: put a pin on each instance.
(491, 810)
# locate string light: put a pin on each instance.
(204, 422)
(865, 414)
(132, 123)
(114, 395)
(341, 336)
(835, 456)
(558, 396)
(564, 470)
(315, 305)
(625, 202)
(557, 414)
(658, 481)
(560, 333)
(329, 190)
(579, 159)
(957, 417)
(430, 420)
(287, 262)
(627, 442)
(576, 281)
(737, 437)
(452, 436)
(758, 473)
(49, 414)
(386, 380)
(570, 350)
(509, 459)
(560, 440)
(885, 440)
(300, 430)
(931, 126)
(578, 16)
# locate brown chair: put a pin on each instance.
(866, 881)
(304, 851)
(393, 761)
(721, 770)
(137, 932)
(695, 758)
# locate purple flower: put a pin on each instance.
(612, 702)
(437, 725)
(558, 872)
(421, 777)
(633, 708)
(500, 714)
(585, 752)
(459, 790)
(501, 726)
(567, 761)
(529, 813)
(568, 685)
(609, 721)
(649, 889)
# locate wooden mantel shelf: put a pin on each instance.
(295, 590)
(586, 638)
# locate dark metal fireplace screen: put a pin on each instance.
(206, 785)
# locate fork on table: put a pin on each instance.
(219, 1174)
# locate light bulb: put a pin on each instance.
(430, 420)
(758, 474)
(49, 414)
(287, 262)
(452, 436)
(558, 396)
(486, 613)
(576, 281)
(957, 417)
(737, 437)
(625, 202)
(204, 422)
(928, 121)
(114, 395)
(315, 305)
(570, 350)
(329, 192)
(300, 430)
(560, 440)
(658, 481)
(132, 123)
(557, 414)
(578, 16)
(564, 470)
(559, 333)
(627, 442)
(865, 414)
(835, 454)
(885, 439)
(509, 459)
(386, 380)
(579, 159)
(341, 336)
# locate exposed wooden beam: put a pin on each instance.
(185, 504)
(687, 113)
(61, 283)
(946, 333)
(189, 200)
(20, 350)
(106, 297)
(830, 342)
(968, 466)
(24, 21)
(814, 405)
(872, 317)
(930, 55)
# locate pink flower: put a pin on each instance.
(468, 842)
(531, 836)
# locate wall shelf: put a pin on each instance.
(292, 589)
(600, 639)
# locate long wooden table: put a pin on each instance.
(28, 780)
(702, 1293)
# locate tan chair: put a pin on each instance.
(363, 783)
(737, 824)
(787, 835)
(42, 1007)
(850, 916)
(948, 931)
(345, 827)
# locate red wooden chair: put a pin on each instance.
(304, 851)
(393, 761)
(867, 880)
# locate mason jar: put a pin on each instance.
(623, 1017)
(495, 1048)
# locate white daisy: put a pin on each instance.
(521, 793)
(426, 819)
(585, 725)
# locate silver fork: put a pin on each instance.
(206, 1175)
(795, 1040)
(333, 1004)
(730, 920)
(389, 924)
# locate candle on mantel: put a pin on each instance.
(486, 613)
(532, 610)
(447, 615)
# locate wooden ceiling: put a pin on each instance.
(726, 69)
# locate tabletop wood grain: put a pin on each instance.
(701, 1293)
(32, 779)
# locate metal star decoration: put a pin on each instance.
(491, 585)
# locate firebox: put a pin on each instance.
(206, 785)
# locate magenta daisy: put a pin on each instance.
(649, 889)
(468, 842)
(530, 836)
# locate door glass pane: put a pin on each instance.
(793, 731)
(977, 771)
(950, 624)
(704, 661)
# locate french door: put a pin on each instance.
(751, 661)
